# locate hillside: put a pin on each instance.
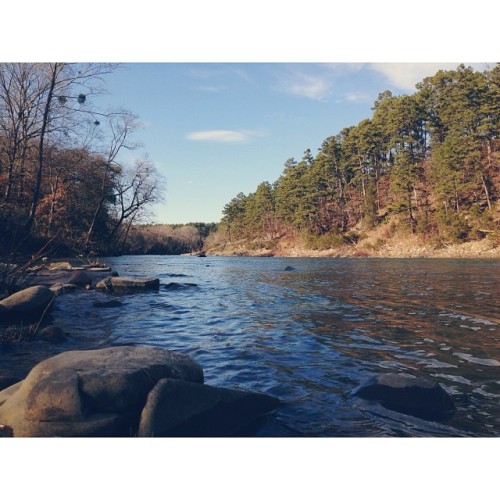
(419, 177)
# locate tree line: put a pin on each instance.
(169, 239)
(429, 161)
(61, 181)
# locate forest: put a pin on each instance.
(427, 163)
(62, 187)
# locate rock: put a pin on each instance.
(108, 303)
(179, 408)
(79, 278)
(115, 284)
(289, 268)
(91, 393)
(30, 302)
(410, 395)
(60, 265)
(52, 334)
(63, 288)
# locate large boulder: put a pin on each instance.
(115, 284)
(28, 303)
(184, 409)
(405, 393)
(91, 393)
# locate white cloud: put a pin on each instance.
(211, 88)
(223, 135)
(406, 75)
(304, 85)
(356, 96)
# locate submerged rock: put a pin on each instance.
(115, 284)
(28, 303)
(52, 334)
(180, 286)
(91, 393)
(79, 278)
(184, 409)
(63, 288)
(410, 395)
(108, 303)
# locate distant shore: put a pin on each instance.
(407, 248)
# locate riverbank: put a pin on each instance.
(375, 246)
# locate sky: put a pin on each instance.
(228, 91)
(216, 129)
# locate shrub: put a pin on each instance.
(323, 241)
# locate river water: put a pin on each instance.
(310, 331)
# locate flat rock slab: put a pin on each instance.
(116, 284)
(30, 302)
(91, 393)
(409, 395)
(75, 277)
(60, 265)
(183, 409)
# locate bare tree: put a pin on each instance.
(41, 102)
(120, 125)
(135, 190)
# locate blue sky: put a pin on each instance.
(216, 129)
(219, 87)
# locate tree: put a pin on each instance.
(120, 126)
(38, 107)
(233, 216)
(133, 191)
(291, 193)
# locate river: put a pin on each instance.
(309, 331)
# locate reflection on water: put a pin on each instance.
(311, 335)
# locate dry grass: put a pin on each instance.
(18, 333)
(384, 241)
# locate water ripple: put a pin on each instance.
(310, 336)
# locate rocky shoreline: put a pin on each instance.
(114, 391)
(410, 247)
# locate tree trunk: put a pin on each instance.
(45, 120)
(55, 187)
(486, 191)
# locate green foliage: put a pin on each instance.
(323, 242)
(430, 160)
